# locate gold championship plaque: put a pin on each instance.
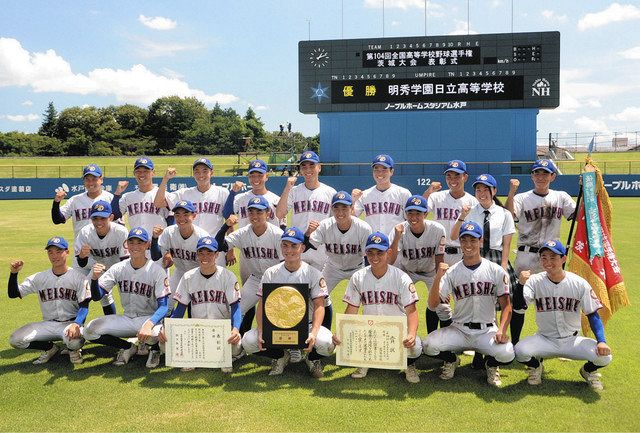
(285, 321)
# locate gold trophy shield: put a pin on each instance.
(285, 309)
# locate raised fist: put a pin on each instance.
(435, 186)
(442, 268)
(524, 276)
(514, 184)
(232, 220)
(313, 226)
(171, 173)
(60, 194)
(122, 187)
(157, 231)
(97, 270)
(465, 211)
(84, 251)
(16, 266)
(356, 194)
(291, 181)
(399, 229)
(237, 186)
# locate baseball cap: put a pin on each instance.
(101, 209)
(378, 241)
(417, 202)
(93, 170)
(384, 160)
(207, 242)
(143, 161)
(457, 166)
(486, 179)
(203, 161)
(544, 164)
(138, 233)
(258, 165)
(258, 202)
(310, 156)
(471, 228)
(58, 242)
(555, 247)
(293, 234)
(184, 204)
(342, 197)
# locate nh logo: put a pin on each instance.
(541, 87)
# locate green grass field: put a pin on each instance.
(97, 396)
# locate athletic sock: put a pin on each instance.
(432, 321)
(517, 322)
(110, 340)
(40, 345)
(328, 317)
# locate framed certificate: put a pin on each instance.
(285, 315)
(197, 343)
(371, 341)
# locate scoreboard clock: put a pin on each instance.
(513, 70)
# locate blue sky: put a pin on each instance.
(244, 53)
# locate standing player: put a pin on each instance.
(385, 290)
(382, 204)
(475, 284)
(294, 270)
(344, 237)
(64, 301)
(539, 214)
(310, 201)
(421, 243)
(212, 292)
(560, 298)
(144, 289)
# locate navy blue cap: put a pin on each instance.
(378, 241)
(258, 202)
(293, 234)
(207, 242)
(184, 204)
(203, 161)
(417, 202)
(555, 247)
(544, 164)
(486, 179)
(457, 166)
(138, 233)
(92, 170)
(471, 228)
(310, 156)
(59, 242)
(258, 165)
(384, 160)
(143, 161)
(342, 197)
(101, 209)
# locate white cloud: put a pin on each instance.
(157, 23)
(629, 114)
(577, 91)
(594, 103)
(171, 73)
(614, 13)
(496, 3)
(395, 23)
(461, 29)
(27, 103)
(631, 53)
(551, 15)
(587, 124)
(261, 108)
(150, 49)
(433, 9)
(21, 117)
(48, 72)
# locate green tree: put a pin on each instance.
(170, 117)
(50, 121)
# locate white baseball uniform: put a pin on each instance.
(558, 316)
(539, 220)
(389, 295)
(183, 251)
(475, 292)
(107, 250)
(78, 208)
(383, 210)
(208, 205)
(141, 211)
(446, 210)
(59, 296)
(308, 205)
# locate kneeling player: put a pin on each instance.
(560, 297)
(294, 270)
(144, 289)
(394, 295)
(475, 284)
(64, 301)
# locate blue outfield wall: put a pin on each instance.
(28, 189)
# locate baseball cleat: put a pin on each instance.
(360, 373)
(411, 374)
(535, 375)
(143, 349)
(478, 361)
(187, 368)
(449, 369)
(226, 370)
(277, 365)
(493, 376)
(124, 355)
(295, 356)
(47, 355)
(315, 368)
(593, 379)
(240, 355)
(75, 356)
(154, 359)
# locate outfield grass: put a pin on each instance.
(97, 396)
(608, 162)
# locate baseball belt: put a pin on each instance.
(528, 248)
(475, 325)
(451, 250)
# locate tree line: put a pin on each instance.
(171, 125)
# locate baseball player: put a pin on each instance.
(294, 270)
(212, 292)
(310, 201)
(539, 215)
(475, 284)
(259, 245)
(421, 244)
(560, 297)
(144, 289)
(64, 301)
(385, 290)
(382, 204)
(139, 205)
(78, 208)
(344, 237)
